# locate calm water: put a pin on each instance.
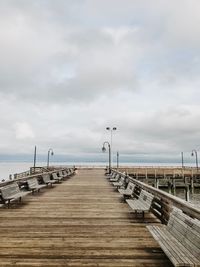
(7, 168)
(194, 198)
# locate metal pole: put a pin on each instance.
(34, 164)
(50, 150)
(182, 160)
(48, 159)
(117, 159)
(109, 158)
(196, 160)
(109, 152)
(111, 142)
(194, 151)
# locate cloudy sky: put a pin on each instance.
(70, 68)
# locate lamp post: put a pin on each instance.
(194, 152)
(50, 150)
(109, 152)
(34, 159)
(182, 161)
(117, 159)
(111, 129)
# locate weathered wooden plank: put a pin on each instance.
(80, 222)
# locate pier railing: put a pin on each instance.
(23, 176)
(163, 202)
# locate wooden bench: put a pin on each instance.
(12, 192)
(179, 239)
(112, 175)
(142, 204)
(47, 180)
(33, 185)
(61, 174)
(127, 193)
(65, 173)
(120, 182)
(56, 177)
(70, 172)
(115, 178)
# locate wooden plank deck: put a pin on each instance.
(81, 222)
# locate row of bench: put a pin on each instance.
(179, 239)
(17, 190)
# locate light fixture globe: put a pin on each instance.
(103, 149)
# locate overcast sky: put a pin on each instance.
(70, 68)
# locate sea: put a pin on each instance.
(11, 168)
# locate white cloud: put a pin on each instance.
(23, 131)
(71, 68)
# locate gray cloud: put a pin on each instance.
(70, 68)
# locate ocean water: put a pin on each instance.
(10, 168)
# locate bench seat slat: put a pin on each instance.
(137, 205)
(34, 185)
(143, 203)
(12, 192)
(179, 239)
(56, 177)
(176, 252)
(47, 180)
(128, 191)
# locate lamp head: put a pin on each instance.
(103, 149)
(114, 128)
(108, 128)
(192, 154)
(52, 153)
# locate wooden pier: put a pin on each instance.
(79, 222)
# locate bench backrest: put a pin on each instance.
(64, 173)
(118, 177)
(113, 174)
(10, 190)
(55, 176)
(130, 187)
(46, 178)
(186, 230)
(32, 183)
(146, 198)
(122, 179)
(60, 173)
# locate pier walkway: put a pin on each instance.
(80, 222)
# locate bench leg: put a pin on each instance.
(137, 212)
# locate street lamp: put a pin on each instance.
(194, 152)
(109, 152)
(111, 129)
(50, 150)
